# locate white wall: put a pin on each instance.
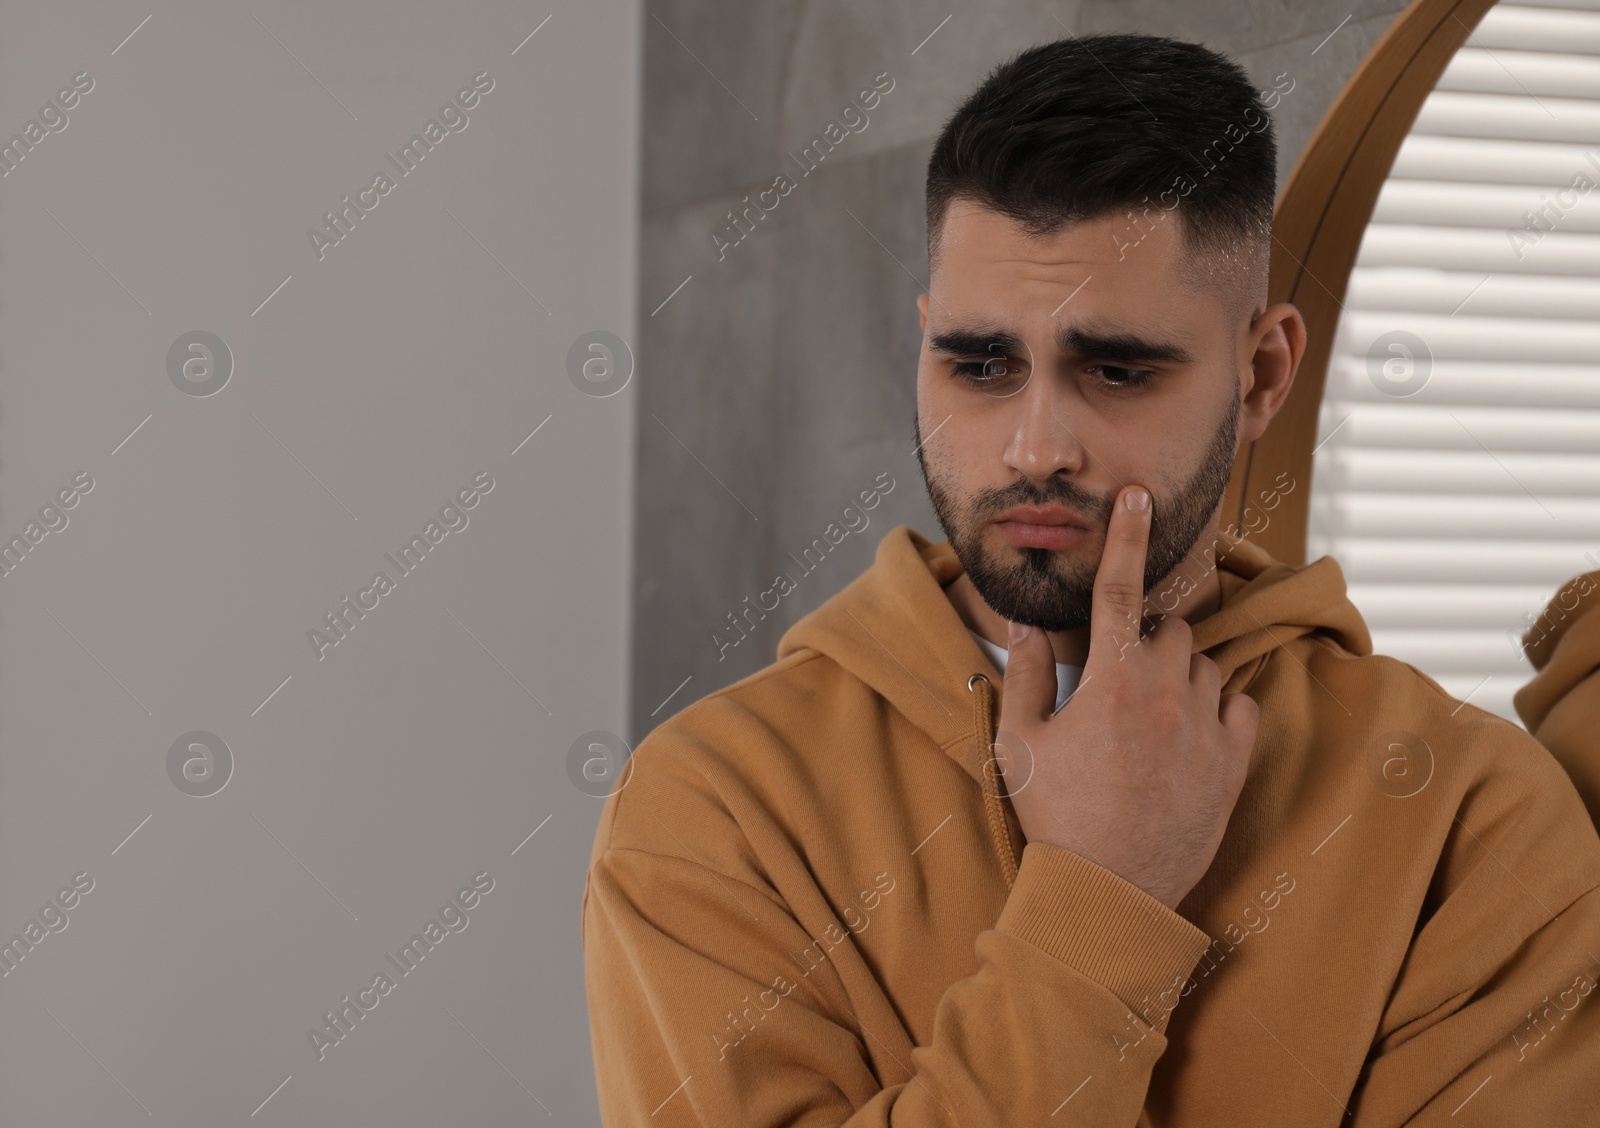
(371, 783)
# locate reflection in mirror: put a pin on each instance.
(1457, 476)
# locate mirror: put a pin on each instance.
(1456, 473)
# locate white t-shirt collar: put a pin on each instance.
(1066, 676)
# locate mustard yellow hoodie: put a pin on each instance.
(1561, 705)
(805, 906)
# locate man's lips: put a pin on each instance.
(1042, 515)
(1042, 526)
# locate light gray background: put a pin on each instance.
(368, 391)
(373, 385)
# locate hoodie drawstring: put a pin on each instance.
(989, 774)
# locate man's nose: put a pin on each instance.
(1047, 438)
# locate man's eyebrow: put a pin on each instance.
(976, 342)
(1108, 345)
(1119, 347)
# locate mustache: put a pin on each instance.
(1059, 492)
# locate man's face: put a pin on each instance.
(1052, 374)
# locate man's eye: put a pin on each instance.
(1114, 377)
(982, 371)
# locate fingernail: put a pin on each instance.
(1136, 499)
(1018, 631)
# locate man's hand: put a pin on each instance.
(1141, 769)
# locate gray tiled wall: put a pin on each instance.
(779, 380)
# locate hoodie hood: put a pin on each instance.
(1561, 703)
(1563, 645)
(894, 628)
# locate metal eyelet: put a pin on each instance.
(974, 677)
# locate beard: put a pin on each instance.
(1047, 588)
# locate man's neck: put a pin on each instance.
(1202, 595)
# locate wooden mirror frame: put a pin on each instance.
(1319, 220)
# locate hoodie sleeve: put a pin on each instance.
(1530, 1021)
(1490, 1019)
(1561, 704)
(695, 1021)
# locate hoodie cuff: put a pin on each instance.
(1102, 926)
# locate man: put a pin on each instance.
(1561, 703)
(1235, 869)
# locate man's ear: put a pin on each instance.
(1276, 341)
(922, 308)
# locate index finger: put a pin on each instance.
(1118, 604)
